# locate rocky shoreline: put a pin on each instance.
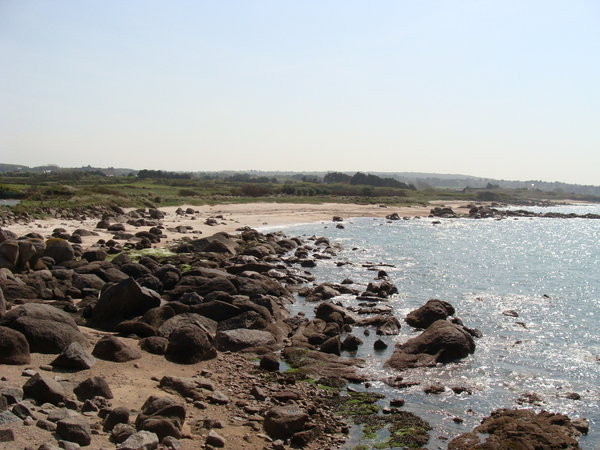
(107, 347)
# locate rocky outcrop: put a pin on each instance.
(520, 428)
(442, 342)
(428, 313)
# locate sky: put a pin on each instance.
(506, 89)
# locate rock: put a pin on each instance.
(519, 428)
(154, 344)
(331, 345)
(121, 432)
(389, 327)
(47, 329)
(74, 357)
(269, 362)
(351, 343)
(111, 348)
(428, 313)
(75, 430)
(186, 387)
(14, 348)
(7, 417)
(209, 326)
(142, 440)
(136, 327)
(239, 339)
(93, 387)
(379, 345)
(114, 417)
(441, 342)
(59, 250)
(122, 301)
(44, 390)
(189, 345)
(281, 422)
(7, 435)
(2, 303)
(215, 439)
(161, 415)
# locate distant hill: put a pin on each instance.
(421, 180)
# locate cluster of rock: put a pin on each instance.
(486, 212)
(219, 294)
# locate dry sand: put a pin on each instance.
(254, 215)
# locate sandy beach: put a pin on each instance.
(229, 217)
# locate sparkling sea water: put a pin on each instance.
(547, 270)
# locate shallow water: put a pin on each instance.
(548, 270)
(9, 202)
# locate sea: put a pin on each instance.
(546, 270)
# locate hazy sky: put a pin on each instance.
(505, 89)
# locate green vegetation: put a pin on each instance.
(151, 188)
(397, 429)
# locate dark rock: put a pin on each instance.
(136, 327)
(331, 345)
(74, 357)
(93, 387)
(14, 348)
(189, 345)
(47, 329)
(519, 429)
(390, 326)
(428, 313)
(111, 348)
(122, 301)
(441, 342)
(351, 343)
(121, 432)
(59, 250)
(44, 390)
(269, 362)
(154, 344)
(161, 415)
(209, 326)
(114, 417)
(281, 422)
(379, 345)
(75, 430)
(215, 439)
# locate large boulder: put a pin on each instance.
(111, 348)
(241, 338)
(47, 329)
(122, 301)
(190, 344)
(14, 348)
(59, 250)
(520, 429)
(442, 342)
(428, 313)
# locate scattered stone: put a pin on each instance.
(44, 390)
(93, 387)
(142, 440)
(215, 439)
(281, 422)
(75, 430)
